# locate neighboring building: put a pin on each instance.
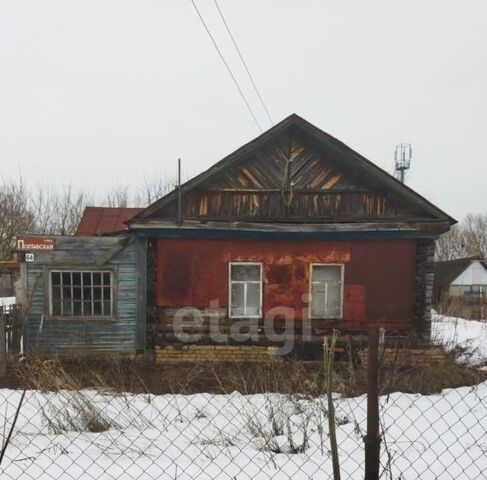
(461, 288)
(105, 220)
(293, 219)
(81, 294)
(293, 224)
(9, 273)
(81, 291)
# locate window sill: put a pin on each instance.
(73, 318)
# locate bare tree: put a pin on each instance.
(464, 240)
(51, 211)
(15, 215)
(58, 212)
(475, 234)
(117, 196)
(152, 188)
(450, 245)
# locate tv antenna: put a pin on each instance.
(402, 160)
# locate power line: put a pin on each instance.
(227, 66)
(244, 63)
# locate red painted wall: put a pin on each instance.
(378, 278)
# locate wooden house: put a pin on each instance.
(460, 288)
(293, 220)
(294, 230)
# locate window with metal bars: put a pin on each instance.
(81, 293)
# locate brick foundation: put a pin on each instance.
(409, 357)
(216, 353)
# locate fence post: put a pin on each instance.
(16, 330)
(372, 439)
(3, 344)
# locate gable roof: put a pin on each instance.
(354, 159)
(446, 272)
(105, 220)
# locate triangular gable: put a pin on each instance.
(295, 172)
(476, 277)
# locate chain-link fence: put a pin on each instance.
(77, 421)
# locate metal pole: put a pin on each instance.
(179, 193)
(372, 439)
(3, 345)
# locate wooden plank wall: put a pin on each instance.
(295, 179)
(81, 335)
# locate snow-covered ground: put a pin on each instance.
(242, 437)
(258, 437)
(4, 301)
(468, 335)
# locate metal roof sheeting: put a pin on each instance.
(105, 220)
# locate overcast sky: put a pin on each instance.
(109, 91)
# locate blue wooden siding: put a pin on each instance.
(78, 335)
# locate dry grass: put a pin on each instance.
(70, 408)
(289, 377)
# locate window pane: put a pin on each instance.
(56, 278)
(107, 310)
(56, 294)
(333, 302)
(77, 293)
(67, 307)
(76, 278)
(237, 299)
(96, 293)
(253, 299)
(77, 308)
(66, 294)
(318, 303)
(86, 278)
(96, 308)
(327, 273)
(66, 278)
(318, 287)
(106, 293)
(96, 278)
(87, 308)
(56, 307)
(246, 272)
(106, 279)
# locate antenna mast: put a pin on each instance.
(402, 159)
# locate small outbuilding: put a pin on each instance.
(460, 288)
(80, 294)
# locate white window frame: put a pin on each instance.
(230, 282)
(82, 271)
(342, 276)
